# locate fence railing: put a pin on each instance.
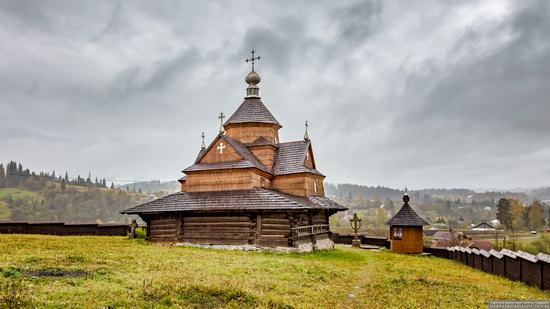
(310, 230)
(63, 229)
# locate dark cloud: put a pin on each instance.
(424, 94)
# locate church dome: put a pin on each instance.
(252, 78)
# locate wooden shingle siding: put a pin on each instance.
(248, 133)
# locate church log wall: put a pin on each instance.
(275, 229)
(247, 133)
(301, 184)
(235, 229)
(163, 227)
(219, 180)
(265, 153)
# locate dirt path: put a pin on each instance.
(353, 300)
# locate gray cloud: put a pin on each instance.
(423, 94)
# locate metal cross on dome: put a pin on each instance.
(252, 59)
(221, 147)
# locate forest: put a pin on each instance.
(46, 197)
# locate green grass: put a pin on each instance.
(5, 212)
(17, 193)
(133, 273)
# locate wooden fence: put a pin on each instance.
(520, 266)
(346, 238)
(62, 229)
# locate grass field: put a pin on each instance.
(5, 211)
(16, 193)
(133, 273)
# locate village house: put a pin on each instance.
(246, 187)
(483, 226)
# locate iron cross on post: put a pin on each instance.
(252, 59)
(355, 225)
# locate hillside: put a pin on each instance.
(131, 273)
(75, 204)
(152, 186)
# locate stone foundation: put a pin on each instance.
(322, 244)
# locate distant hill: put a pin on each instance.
(152, 186)
(45, 197)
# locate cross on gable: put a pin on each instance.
(252, 59)
(221, 147)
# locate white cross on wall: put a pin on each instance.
(221, 147)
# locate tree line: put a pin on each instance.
(15, 174)
(516, 216)
(47, 197)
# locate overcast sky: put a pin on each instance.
(397, 93)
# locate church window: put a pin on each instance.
(315, 186)
(398, 233)
(262, 182)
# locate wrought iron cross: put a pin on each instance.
(355, 225)
(203, 146)
(221, 117)
(252, 59)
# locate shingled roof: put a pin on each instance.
(406, 216)
(249, 159)
(252, 110)
(260, 141)
(252, 199)
(291, 157)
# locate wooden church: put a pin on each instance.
(246, 188)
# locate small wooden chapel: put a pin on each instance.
(406, 235)
(246, 188)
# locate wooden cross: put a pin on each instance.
(221, 117)
(221, 147)
(253, 59)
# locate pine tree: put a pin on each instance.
(112, 185)
(504, 213)
(66, 177)
(2, 175)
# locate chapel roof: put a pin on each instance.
(291, 157)
(252, 110)
(406, 216)
(249, 199)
